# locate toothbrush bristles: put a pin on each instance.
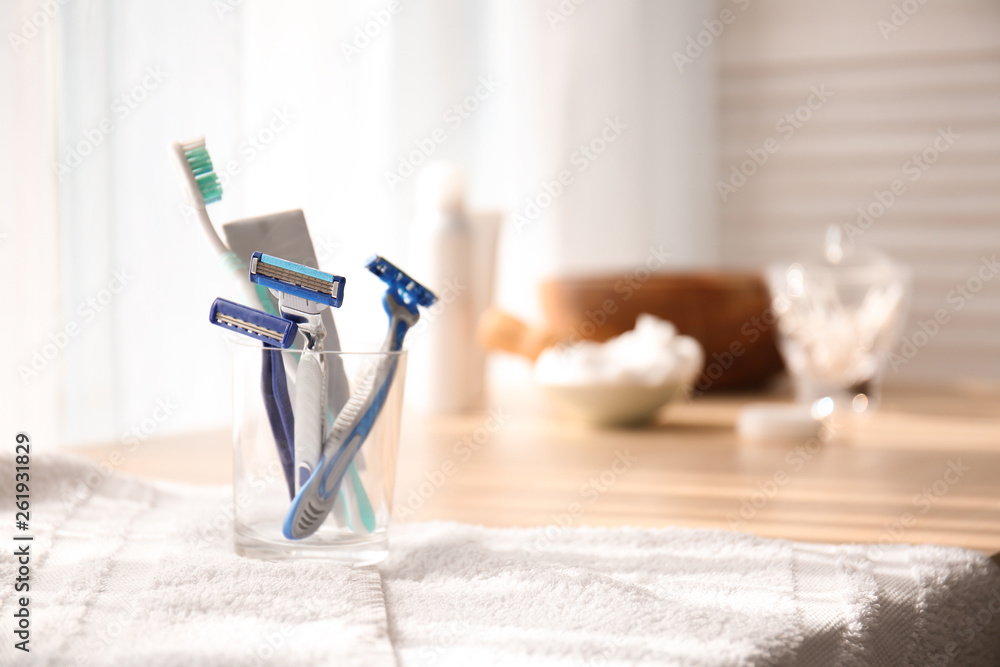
(200, 163)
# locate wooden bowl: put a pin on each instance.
(728, 313)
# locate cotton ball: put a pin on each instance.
(651, 354)
(653, 326)
(569, 365)
(553, 366)
(690, 357)
(662, 369)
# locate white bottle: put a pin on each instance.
(439, 372)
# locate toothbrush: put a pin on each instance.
(317, 496)
(202, 187)
(303, 294)
(275, 333)
(289, 231)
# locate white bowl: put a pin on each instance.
(615, 404)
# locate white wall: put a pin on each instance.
(895, 80)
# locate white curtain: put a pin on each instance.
(29, 240)
(314, 105)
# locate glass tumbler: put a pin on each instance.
(354, 532)
(837, 324)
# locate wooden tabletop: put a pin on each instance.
(924, 469)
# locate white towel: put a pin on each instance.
(142, 573)
(128, 572)
(461, 595)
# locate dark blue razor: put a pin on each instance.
(268, 329)
(274, 332)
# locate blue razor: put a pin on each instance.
(276, 333)
(316, 498)
(406, 288)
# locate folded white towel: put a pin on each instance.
(128, 572)
(131, 572)
(460, 595)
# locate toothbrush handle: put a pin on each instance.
(361, 496)
(249, 295)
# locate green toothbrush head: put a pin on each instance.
(200, 164)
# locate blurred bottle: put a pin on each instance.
(485, 230)
(440, 369)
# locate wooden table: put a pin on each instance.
(925, 469)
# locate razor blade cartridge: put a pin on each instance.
(408, 289)
(297, 279)
(269, 329)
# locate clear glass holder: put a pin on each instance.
(355, 530)
(837, 324)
